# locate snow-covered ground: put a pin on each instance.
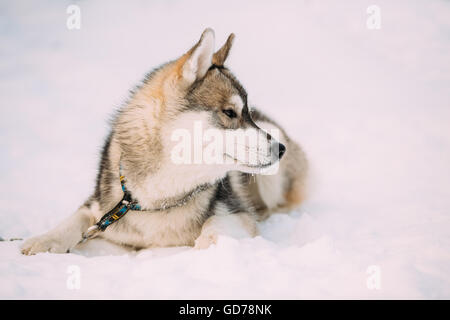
(370, 107)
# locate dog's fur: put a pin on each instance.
(195, 87)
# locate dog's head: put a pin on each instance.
(211, 116)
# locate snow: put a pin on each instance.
(370, 107)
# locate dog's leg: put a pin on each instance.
(236, 225)
(62, 238)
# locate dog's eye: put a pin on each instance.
(230, 113)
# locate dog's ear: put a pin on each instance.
(221, 55)
(199, 58)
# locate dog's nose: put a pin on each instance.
(278, 150)
(281, 150)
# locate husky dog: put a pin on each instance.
(185, 204)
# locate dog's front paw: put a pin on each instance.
(46, 243)
(205, 240)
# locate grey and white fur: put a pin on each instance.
(210, 199)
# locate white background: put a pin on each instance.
(370, 107)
